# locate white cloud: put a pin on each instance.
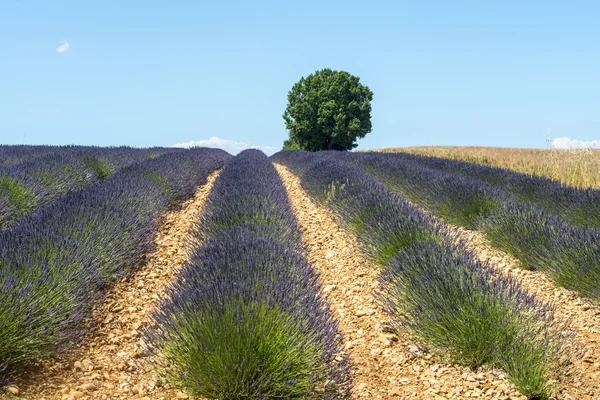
(567, 143)
(64, 47)
(230, 146)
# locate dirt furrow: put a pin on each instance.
(110, 362)
(388, 365)
(583, 315)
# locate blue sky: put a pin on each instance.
(156, 73)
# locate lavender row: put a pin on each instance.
(42, 180)
(577, 206)
(246, 318)
(569, 254)
(10, 155)
(431, 285)
(17, 154)
(58, 261)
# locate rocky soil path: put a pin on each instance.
(109, 364)
(388, 365)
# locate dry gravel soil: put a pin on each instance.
(109, 364)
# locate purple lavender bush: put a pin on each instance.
(540, 239)
(58, 261)
(577, 206)
(245, 318)
(432, 286)
(11, 155)
(50, 172)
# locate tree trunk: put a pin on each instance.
(329, 142)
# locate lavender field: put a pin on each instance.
(482, 281)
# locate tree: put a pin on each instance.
(327, 110)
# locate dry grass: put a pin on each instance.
(578, 167)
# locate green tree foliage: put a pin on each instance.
(291, 145)
(327, 110)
